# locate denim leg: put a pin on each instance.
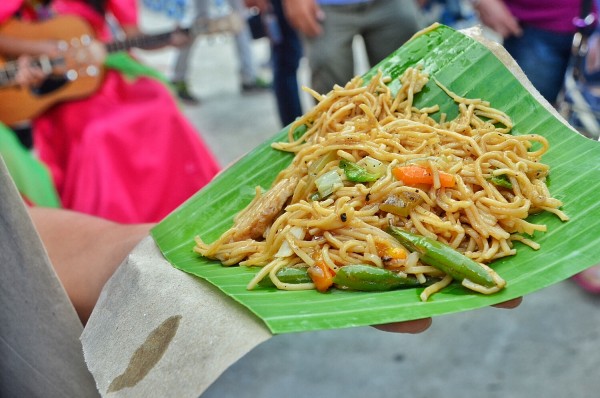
(286, 57)
(544, 57)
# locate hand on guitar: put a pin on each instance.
(54, 56)
(38, 72)
(28, 73)
(31, 61)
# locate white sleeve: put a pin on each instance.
(40, 350)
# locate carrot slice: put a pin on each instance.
(321, 275)
(415, 175)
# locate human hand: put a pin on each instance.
(305, 16)
(592, 59)
(262, 5)
(496, 15)
(420, 325)
(28, 75)
(412, 327)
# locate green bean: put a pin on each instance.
(288, 275)
(444, 258)
(356, 173)
(369, 278)
(501, 180)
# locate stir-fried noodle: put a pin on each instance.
(350, 179)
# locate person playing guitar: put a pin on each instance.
(125, 151)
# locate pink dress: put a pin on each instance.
(126, 153)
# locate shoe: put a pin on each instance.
(181, 89)
(256, 86)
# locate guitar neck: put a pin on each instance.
(228, 23)
(143, 41)
(8, 74)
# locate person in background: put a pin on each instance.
(250, 81)
(286, 53)
(589, 279)
(537, 34)
(126, 153)
(328, 28)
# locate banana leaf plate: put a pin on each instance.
(469, 69)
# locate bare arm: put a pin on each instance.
(14, 47)
(85, 251)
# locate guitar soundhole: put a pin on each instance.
(49, 85)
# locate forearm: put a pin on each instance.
(14, 47)
(85, 251)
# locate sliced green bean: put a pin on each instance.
(369, 278)
(444, 258)
(356, 173)
(501, 180)
(288, 275)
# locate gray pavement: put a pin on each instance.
(548, 347)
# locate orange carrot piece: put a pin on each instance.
(321, 275)
(391, 252)
(415, 175)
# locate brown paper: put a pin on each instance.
(157, 331)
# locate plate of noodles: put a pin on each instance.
(435, 183)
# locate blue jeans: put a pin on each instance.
(544, 56)
(285, 56)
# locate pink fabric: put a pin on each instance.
(126, 153)
(125, 12)
(8, 8)
(553, 15)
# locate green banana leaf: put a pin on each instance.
(469, 69)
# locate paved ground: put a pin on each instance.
(548, 347)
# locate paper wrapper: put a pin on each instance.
(158, 331)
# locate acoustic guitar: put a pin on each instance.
(78, 72)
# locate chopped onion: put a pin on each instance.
(328, 183)
(285, 250)
(373, 166)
